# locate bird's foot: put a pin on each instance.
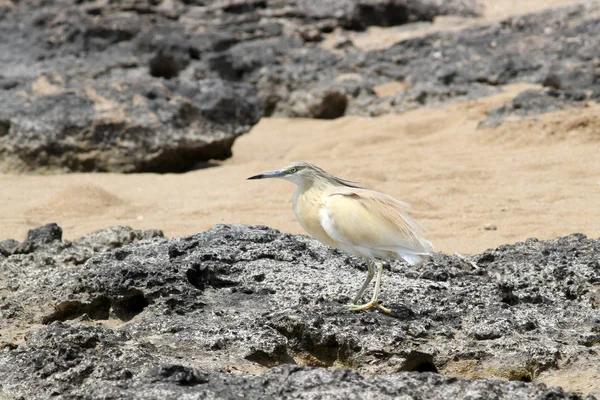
(371, 304)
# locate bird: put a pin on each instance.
(359, 221)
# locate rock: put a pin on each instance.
(490, 227)
(46, 234)
(40, 237)
(444, 67)
(115, 237)
(136, 126)
(97, 86)
(552, 81)
(45, 256)
(344, 44)
(251, 299)
(441, 67)
(319, 103)
(358, 15)
(535, 102)
(166, 65)
(472, 62)
(8, 246)
(98, 363)
(311, 35)
(437, 68)
(104, 88)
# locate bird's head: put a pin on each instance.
(296, 172)
(301, 172)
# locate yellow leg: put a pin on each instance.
(368, 279)
(374, 299)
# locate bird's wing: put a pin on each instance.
(370, 219)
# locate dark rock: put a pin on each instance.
(98, 362)
(166, 66)
(83, 82)
(552, 81)
(86, 64)
(137, 126)
(40, 237)
(180, 375)
(92, 97)
(252, 298)
(46, 234)
(311, 35)
(447, 66)
(535, 102)
(8, 246)
(344, 44)
(358, 15)
(319, 103)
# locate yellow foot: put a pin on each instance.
(359, 307)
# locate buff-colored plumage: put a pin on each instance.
(359, 221)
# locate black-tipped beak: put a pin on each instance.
(271, 174)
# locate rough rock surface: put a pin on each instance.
(535, 102)
(98, 363)
(556, 48)
(129, 313)
(163, 85)
(139, 126)
(114, 86)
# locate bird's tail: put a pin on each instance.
(416, 257)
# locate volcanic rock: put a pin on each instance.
(123, 311)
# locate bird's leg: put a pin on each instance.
(373, 302)
(378, 288)
(368, 279)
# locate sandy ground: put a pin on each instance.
(535, 178)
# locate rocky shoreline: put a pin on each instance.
(241, 309)
(248, 311)
(163, 86)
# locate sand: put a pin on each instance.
(535, 178)
(472, 188)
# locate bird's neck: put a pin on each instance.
(312, 184)
(308, 190)
(301, 188)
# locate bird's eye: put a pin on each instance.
(293, 170)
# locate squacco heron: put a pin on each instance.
(358, 221)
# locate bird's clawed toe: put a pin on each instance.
(360, 307)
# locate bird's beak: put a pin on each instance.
(271, 174)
